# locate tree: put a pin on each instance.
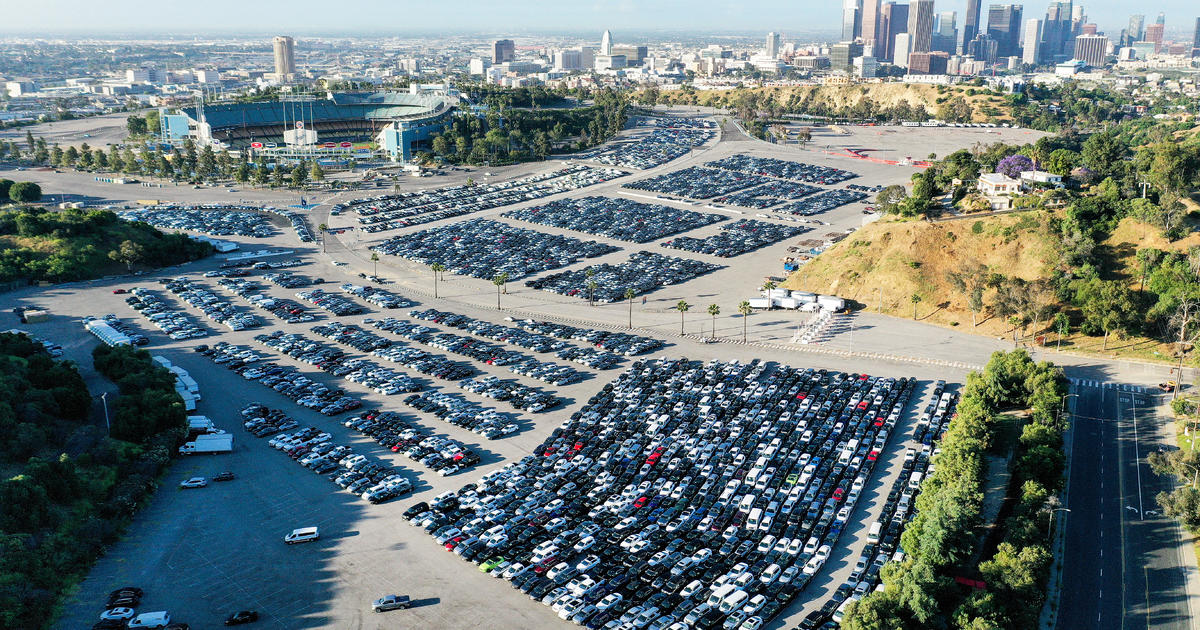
(915, 299)
(499, 280)
(5, 185)
(127, 252)
(25, 192)
(889, 199)
(375, 260)
(1106, 306)
(440, 145)
(1014, 165)
(299, 176)
(436, 268)
(745, 310)
(1062, 327)
(317, 174)
(629, 293)
(242, 173)
(136, 126)
(322, 229)
(971, 280)
(29, 142)
(714, 310)
(682, 306)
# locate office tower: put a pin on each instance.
(1087, 29)
(606, 43)
(503, 51)
(893, 21)
(285, 56)
(928, 62)
(1004, 26)
(983, 48)
(772, 49)
(945, 32)
(1057, 42)
(1091, 49)
(870, 23)
(851, 20)
(1077, 18)
(1154, 33)
(1196, 40)
(971, 26)
(1031, 42)
(1162, 18)
(1137, 24)
(900, 49)
(842, 54)
(920, 25)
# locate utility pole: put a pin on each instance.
(107, 424)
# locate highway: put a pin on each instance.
(1122, 562)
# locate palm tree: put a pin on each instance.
(322, 229)
(682, 307)
(768, 286)
(714, 310)
(375, 259)
(745, 310)
(629, 293)
(499, 281)
(436, 268)
(915, 299)
(504, 281)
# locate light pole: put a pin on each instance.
(107, 425)
(1063, 407)
(1050, 526)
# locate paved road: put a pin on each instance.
(1123, 560)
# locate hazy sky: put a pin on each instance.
(399, 16)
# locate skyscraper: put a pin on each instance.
(1004, 26)
(606, 43)
(893, 20)
(870, 23)
(1154, 33)
(1091, 49)
(851, 21)
(945, 32)
(1031, 42)
(1196, 40)
(1162, 18)
(1137, 24)
(971, 26)
(900, 49)
(503, 51)
(285, 56)
(920, 25)
(1057, 42)
(772, 49)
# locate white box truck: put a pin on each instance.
(200, 424)
(760, 302)
(208, 443)
(787, 302)
(831, 303)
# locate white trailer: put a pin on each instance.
(761, 302)
(208, 443)
(804, 296)
(831, 303)
(787, 302)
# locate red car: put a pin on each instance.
(119, 291)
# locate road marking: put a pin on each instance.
(1137, 457)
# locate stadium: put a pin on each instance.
(314, 127)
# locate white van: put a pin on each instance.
(302, 535)
(746, 503)
(734, 601)
(158, 619)
(873, 535)
(914, 482)
(719, 595)
(754, 519)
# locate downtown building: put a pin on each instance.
(1004, 26)
(1092, 49)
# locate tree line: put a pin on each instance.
(69, 490)
(942, 540)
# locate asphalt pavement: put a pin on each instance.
(1123, 561)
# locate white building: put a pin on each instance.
(478, 66)
(866, 67)
(998, 184)
(772, 48)
(606, 43)
(901, 49)
(1042, 178)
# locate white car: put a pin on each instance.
(116, 613)
(194, 482)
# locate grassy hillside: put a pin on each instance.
(883, 95)
(889, 261)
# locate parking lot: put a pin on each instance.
(203, 557)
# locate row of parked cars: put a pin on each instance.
(482, 248)
(768, 194)
(520, 396)
(489, 423)
(616, 218)
(332, 302)
(683, 495)
(394, 432)
(391, 212)
(334, 361)
(547, 372)
(358, 474)
(379, 297)
(286, 380)
(823, 202)
(212, 305)
(783, 169)
(212, 219)
(671, 137)
(698, 182)
(621, 343)
(288, 279)
(413, 358)
(739, 237)
(643, 272)
(175, 323)
(287, 310)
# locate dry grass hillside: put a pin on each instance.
(883, 94)
(887, 262)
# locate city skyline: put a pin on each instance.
(303, 16)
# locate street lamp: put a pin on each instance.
(1063, 407)
(1050, 526)
(107, 425)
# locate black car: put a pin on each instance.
(225, 476)
(240, 617)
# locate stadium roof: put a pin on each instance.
(340, 106)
